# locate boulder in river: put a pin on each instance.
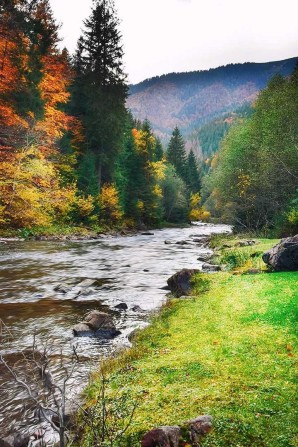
(180, 282)
(284, 255)
(98, 324)
(121, 306)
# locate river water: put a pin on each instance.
(128, 269)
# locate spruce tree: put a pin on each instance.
(100, 89)
(193, 176)
(176, 154)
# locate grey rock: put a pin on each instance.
(147, 233)
(81, 330)
(198, 428)
(210, 268)
(284, 255)
(98, 324)
(166, 436)
(180, 282)
(121, 306)
(137, 308)
(167, 242)
(204, 257)
(247, 243)
(99, 320)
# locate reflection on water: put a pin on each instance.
(131, 269)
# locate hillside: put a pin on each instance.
(192, 100)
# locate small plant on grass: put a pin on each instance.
(108, 417)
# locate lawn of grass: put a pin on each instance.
(230, 352)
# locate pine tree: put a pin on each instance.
(158, 150)
(100, 91)
(193, 176)
(176, 154)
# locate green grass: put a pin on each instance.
(231, 352)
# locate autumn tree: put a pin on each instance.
(34, 80)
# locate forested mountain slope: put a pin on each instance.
(191, 100)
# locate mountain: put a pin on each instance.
(194, 100)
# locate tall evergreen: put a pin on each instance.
(100, 90)
(193, 176)
(176, 153)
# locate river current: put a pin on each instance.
(128, 269)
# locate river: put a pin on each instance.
(128, 269)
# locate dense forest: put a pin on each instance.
(70, 152)
(254, 177)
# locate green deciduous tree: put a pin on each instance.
(255, 177)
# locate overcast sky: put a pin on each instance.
(162, 36)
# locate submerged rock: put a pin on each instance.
(15, 440)
(180, 282)
(284, 255)
(137, 308)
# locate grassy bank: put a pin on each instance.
(230, 351)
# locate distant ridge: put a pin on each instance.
(191, 100)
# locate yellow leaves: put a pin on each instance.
(158, 191)
(109, 203)
(196, 212)
(30, 190)
(199, 215)
(143, 141)
(158, 168)
(195, 200)
(85, 206)
(243, 184)
(140, 205)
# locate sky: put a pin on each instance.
(164, 36)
